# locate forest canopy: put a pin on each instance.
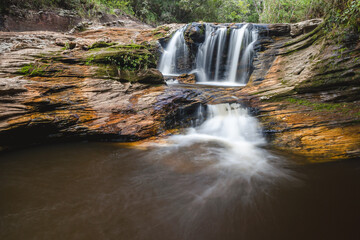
(183, 11)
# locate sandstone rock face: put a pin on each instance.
(304, 27)
(308, 98)
(50, 94)
(279, 29)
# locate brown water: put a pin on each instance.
(104, 191)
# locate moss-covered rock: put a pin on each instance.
(38, 70)
(126, 63)
(195, 33)
(101, 44)
(339, 72)
(146, 76)
(125, 57)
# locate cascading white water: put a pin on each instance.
(175, 50)
(229, 142)
(220, 50)
(223, 58)
(235, 132)
(246, 59)
(238, 38)
(214, 38)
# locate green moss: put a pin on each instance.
(315, 105)
(101, 44)
(89, 60)
(130, 46)
(202, 29)
(106, 71)
(113, 47)
(307, 42)
(33, 70)
(141, 76)
(161, 28)
(347, 109)
(160, 35)
(165, 28)
(130, 57)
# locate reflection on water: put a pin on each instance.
(214, 182)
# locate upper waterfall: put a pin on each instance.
(223, 57)
(175, 50)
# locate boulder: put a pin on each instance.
(195, 33)
(145, 76)
(71, 45)
(60, 42)
(126, 57)
(80, 27)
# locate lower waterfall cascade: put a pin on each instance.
(232, 141)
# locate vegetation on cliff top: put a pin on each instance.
(166, 11)
(85, 8)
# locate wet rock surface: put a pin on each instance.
(304, 92)
(186, 78)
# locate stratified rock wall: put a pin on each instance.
(98, 84)
(308, 99)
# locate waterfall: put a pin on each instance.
(230, 125)
(229, 142)
(238, 38)
(214, 38)
(246, 59)
(175, 52)
(220, 51)
(225, 56)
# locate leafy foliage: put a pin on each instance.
(194, 10)
(83, 7)
(265, 11)
(344, 12)
(271, 11)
